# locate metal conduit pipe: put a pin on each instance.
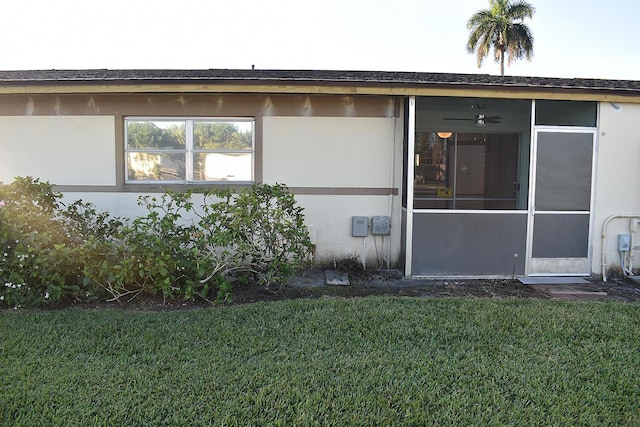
(391, 183)
(603, 249)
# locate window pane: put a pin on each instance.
(222, 167)
(156, 167)
(476, 171)
(566, 113)
(156, 134)
(433, 183)
(487, 171)
(222, 135)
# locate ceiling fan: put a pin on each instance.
(481, 119)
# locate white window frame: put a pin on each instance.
(189, 151)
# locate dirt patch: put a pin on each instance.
(619, 289)
(391, 283)
(365, 284)
(477, 288)
(376, 283)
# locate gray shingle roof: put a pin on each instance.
(315, 77)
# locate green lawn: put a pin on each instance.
(367, 361)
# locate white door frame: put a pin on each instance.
(410, 164)
(558, 266)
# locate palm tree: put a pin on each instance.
(500, 27)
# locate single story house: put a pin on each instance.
(435, 174)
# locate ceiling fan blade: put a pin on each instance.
(455, 118)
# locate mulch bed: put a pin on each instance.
(367, 284)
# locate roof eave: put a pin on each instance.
(317, 86)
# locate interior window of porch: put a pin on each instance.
(471, 171)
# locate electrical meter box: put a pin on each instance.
(359, 226)
(624, 242)
(380, 225)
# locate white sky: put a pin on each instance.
(573, 38)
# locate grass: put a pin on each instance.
(367, 361)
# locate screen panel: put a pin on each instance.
(563, 175)
(468, 243)
(561, 236)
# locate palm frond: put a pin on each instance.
(478, 18)
(520, 43)
(520, 10)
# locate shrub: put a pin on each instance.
(157, 253)
(262, 229)
(41, 241)
(192, 244)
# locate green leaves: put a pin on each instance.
(500, 28)
(213, 236)
(189, 245)
(38, 256)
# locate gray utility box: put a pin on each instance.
(380, 225)
(624, 242)
(359, 226)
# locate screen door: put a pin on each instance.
(560, 210)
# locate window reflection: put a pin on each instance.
(433, 180)
(223, 167)
(193, 150)
(467, 171)
(156, 167)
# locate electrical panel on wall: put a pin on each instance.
(624, 242)
(359, 226)
(380, 225)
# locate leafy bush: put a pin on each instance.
(183, 248)
(41, 241)
(190, 244)
(158, 252)
(262, 230)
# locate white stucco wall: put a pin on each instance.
(329, 220)
(65, 150)
(115, 203)
(330, 152)
(617, 178)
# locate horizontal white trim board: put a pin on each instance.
(452, 211)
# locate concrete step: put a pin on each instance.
(336, 278)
